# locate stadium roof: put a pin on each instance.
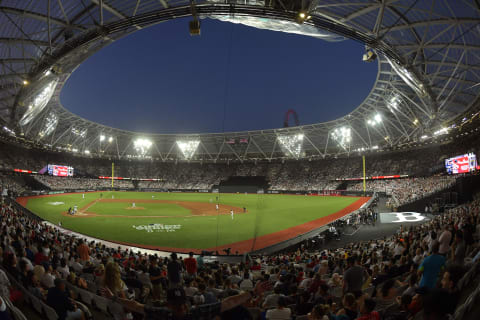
(428, 55)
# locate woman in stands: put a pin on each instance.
(113, 281)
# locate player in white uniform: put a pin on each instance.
(83, 195)
(231, 213)
(216, 206)
(133, 204)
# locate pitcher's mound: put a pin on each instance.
(135, 208)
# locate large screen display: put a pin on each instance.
(60, 171)
(461, 164)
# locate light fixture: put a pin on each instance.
(302, 17)
(25, 82)
(377, 118)
(291, 144)
(110, 139)
(343, 136)
(369, 56)
(87, 151)
(142, 145)
(102, 137)
(188, 147)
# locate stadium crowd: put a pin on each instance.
(412, 274)
(403, 191)
(69, 183)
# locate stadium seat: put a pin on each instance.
(50, 312)
(101, 303)
(85, 296)
(36, 304)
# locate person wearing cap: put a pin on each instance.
(177, 307)
(58, 298)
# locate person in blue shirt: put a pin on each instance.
(431, 267)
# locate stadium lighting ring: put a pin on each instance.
(427, 100)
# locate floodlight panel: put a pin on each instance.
(188, 147)
(291, 145)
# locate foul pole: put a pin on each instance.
(113, 170)
(364, 177)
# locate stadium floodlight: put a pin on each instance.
(424, 137)
(377, 118)
(37, 101)
(87, 151)
(142, 145)
(394, 103)
(441, 132)
(25, 82)
(110, 139)
(188, 147)
(102, 137)
(79, 132)
(291, 145)
(374, 148)
(50, 123)
(343, 136)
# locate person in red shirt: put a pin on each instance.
(367, 312)
(190, 265)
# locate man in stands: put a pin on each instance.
(58, 298)
(190, 265)
(155, 278)
(367, 310)
(354, 277)
(444, 241)
(431, 267)
(174, 268)
(83, 251)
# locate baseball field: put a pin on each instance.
(191, 221)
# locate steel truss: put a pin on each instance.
(428, 71)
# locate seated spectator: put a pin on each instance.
(59, 299)
(319, 312)
(246, 283)
(367, 310)
(399, 310)
(281, 312)
(349, 310)
(271, 300)
(386, 295)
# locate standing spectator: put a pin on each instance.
(354, 277)
(174, 268)
(155, 278)
(444, 241)
(459, 249)
(431, 267)
(83, 251)
(190, 265)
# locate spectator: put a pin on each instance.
(430, 268)
(59, 299)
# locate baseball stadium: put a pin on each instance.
(222, 159)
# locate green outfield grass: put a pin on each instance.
(266, 214)
(150, 209)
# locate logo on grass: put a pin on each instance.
(57, 203)
(158, 227)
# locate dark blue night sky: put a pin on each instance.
(162, 80)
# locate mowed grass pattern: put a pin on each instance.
(148, 209)
(266, 214)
